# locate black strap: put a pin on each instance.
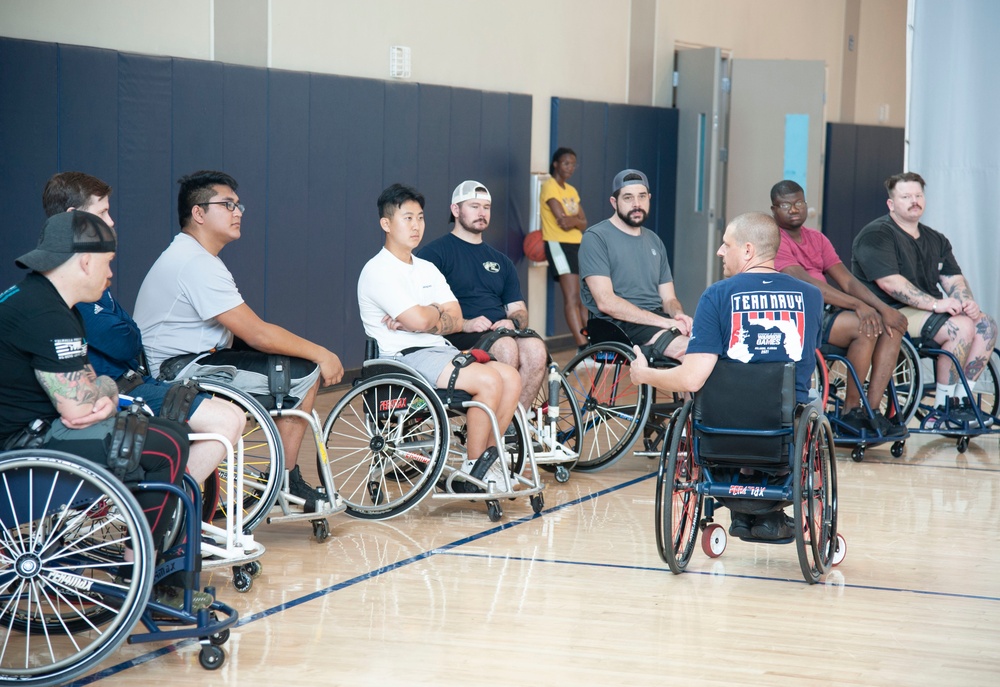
(657, 350)
(127, 440)
(128, 382)
(489, 338)
(279, 378)
(407, 351)
(475, 355)
(30, 436)
(178, 399)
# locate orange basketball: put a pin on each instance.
(534, 247)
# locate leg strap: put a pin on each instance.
(489, 338)
(656, 351)
(178, 399)
(474, 355)
(127, 440)
(279, 378)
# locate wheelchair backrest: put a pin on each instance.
(371, 348)
(739, 398)
(605, 331)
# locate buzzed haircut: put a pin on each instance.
(785, 187)
(760, 229)
(900, 178)
(197, 189)
(67, 190)
(393, 198)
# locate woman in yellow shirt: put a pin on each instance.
(563, 224)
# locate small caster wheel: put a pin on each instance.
(713, 540)
(840, 553)
(963, 444)
(321, 530)
(220, 637)
(211, 657)
(494, 511)
(858, 454)
(562, 474)
(254, 568)
(375, 492)
(537, 503)
(897, 448)
(242, 580)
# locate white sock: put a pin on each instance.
(959, 391)
(943, 393)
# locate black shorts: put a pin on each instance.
(563, 258)
(639, 334)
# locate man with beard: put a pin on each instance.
(854, 318)
(626, 277)
(485, 282)
(911, 267)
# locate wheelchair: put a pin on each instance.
(716, 437)
(393, 440)
(919, 399)
(68, 597)
(834, 372)
(613, 409)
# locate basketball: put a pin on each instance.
(534, 247)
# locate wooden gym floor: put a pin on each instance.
(578, 594)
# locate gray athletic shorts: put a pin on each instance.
(429, 362)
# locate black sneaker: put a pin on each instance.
(857, 421)
(478, 470)
(962, 411)
(887, 427)
(772, 526)
(297, 486)
(740, 524)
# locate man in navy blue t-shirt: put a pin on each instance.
(756, 314)
(485, 282)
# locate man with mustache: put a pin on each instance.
(626, 276)
(854, 318)
(911, 267)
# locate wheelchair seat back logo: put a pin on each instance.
(766, 325)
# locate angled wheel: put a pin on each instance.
(714, 540)
(387, 440)
(263, 457)
(814, 494)
(986, 390)
(68, 599)
(678, 503)
(612, 408)
(567, 429)
(908, 383)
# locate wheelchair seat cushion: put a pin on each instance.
(746, 396)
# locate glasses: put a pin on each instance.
(230, 205)
(798, 205)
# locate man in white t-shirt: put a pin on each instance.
(188, 303)
(407, 307)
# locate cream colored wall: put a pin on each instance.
(882, 63)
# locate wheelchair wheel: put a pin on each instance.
(907, 379)
(568, 426)
(387, 440)
(814, 495)
(678, 502)
(263, 457)
(67, 597)
(986, 390)
(612, 408)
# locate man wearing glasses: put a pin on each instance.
(854, 318)
(625, 274)
(188, 303)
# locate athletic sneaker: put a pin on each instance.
(477, 469)
(297, 486)
(771, 526)
(938, 420)
(857, 421)
(887, 427)
(962, 410)
(740, 524)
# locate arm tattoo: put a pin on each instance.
(912, 296)
(79, 388)
(447, 323)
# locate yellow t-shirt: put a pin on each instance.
(570, 200)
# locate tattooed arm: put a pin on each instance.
(428, 319)
(81, 398)
(903, 290)
(957, 287)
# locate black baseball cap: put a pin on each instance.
(67, 233)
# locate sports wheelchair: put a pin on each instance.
(725, 448)
(392, 439)
(68, 597)
(612, 408)
(918, 392)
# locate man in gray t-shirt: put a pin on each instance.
(625, 275)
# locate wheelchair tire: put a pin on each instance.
(612, 408)
(263, 457)
(908, 382)
(678, 502)
(814, 494)
(386, 440)
(68, 598)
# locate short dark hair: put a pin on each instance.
(629, 177)
(558, 154)
(196, 189)
(891, 182)
(785, 187)
(393, 198)
(67, 190)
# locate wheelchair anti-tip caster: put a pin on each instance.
(211, 657)
(254, 568)
(321, 530)
(494, 511)
(537, 503)
(858, 454)
(562, 474)
(242, 579)
(897, 448)
(714, 540)
(840, 553)
(963, 444)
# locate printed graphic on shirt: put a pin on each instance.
(491, 266)
(70, 348)
(765, 324)
(571, 206)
